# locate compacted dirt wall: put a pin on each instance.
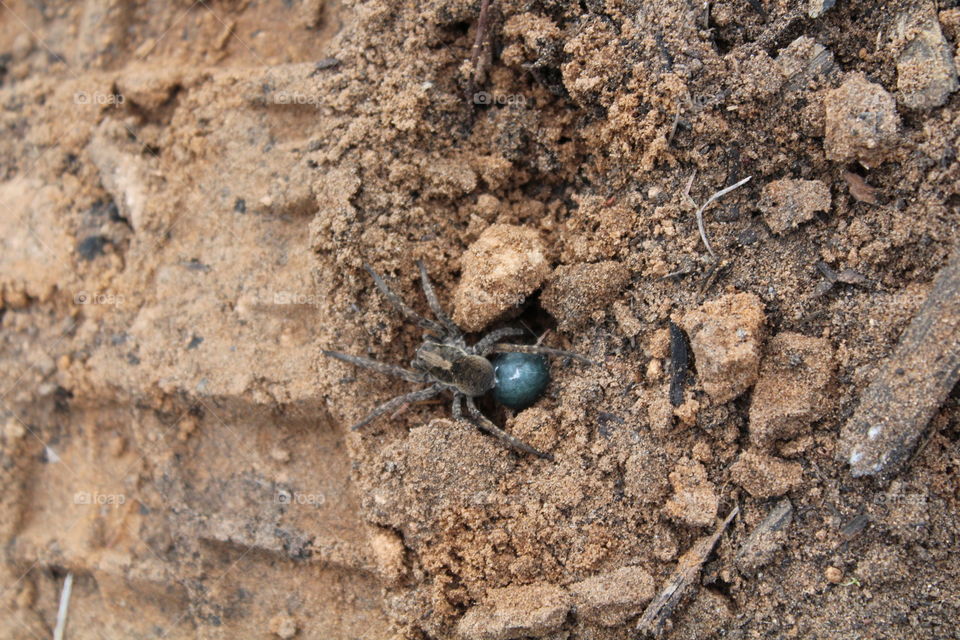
(189, 192)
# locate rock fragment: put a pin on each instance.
(793, 389)
(577, 291)
(787, 203)
(609, 599)
(694, 501)
(816, 8)
(516, 612)
(505, 264)
(861, 122)
(804, 62)
(725, 335)
(765, 476)
(926, 74)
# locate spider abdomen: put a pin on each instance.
(520, 378)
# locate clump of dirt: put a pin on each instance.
(191, 193)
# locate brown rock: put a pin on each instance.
(505, 264)
(861, 122)
(725, 335)
(787, 203)
(516, 612)
(694, 501)
(793, 389)
(765, 476)
(609, 599)
(576, 291)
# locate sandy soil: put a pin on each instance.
(189, 192)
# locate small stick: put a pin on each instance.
(688, 568)
(479, 44)
(911, 385)
(715, 196)
(61, 627)
(679, 364)
(673, 130)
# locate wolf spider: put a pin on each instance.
(447, 363)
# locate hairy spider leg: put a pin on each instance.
(528, 348)
(497, 335)
(424, 323)
(456, 408)
(399, 401)
(381, 367)
(434, 303)
(484, 424)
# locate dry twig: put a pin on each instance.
(911, 385)
(710, 200)
(688, 568)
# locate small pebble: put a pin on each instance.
(283, 626)
(833, 575)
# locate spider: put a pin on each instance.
(447, 363)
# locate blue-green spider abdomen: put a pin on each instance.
(520, 378)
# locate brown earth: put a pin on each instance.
(189, 192)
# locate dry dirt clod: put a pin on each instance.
(694, 501)
(793, 389)
(787, 203)
(861, 122)
(726, 335)
(505, 265)
(283, 626)
(765, 476)
(577, 291)
(516, 612)
(609, 599)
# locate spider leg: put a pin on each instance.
(484, 424)
(434, 302)
(529, 348)
(399, 401)
(381, 367)
(482, 347)
(395, 300)
(456, 408)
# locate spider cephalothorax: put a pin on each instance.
(447, 363)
